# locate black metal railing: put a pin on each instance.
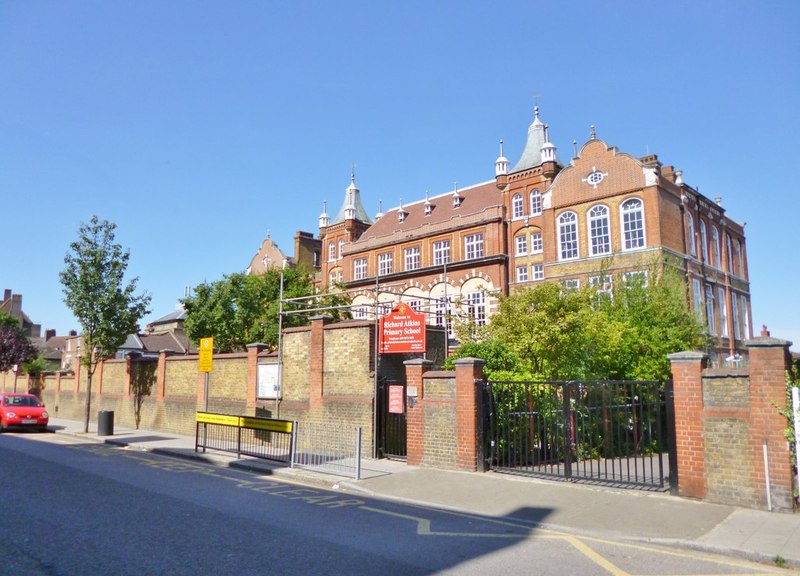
(611, 432)
(265, 438)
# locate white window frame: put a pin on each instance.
(711, 318)
(626, 276)
(538, 272)
(517, 207)
(603, 283)
(441, 252)
(340, 248)
(599, 230)
(704, 241)
(331, 251)
(385, 263)
(691, 235)
(359, 268)
(723, 311)
(473, 246)
(716, 248)
(568, 241)
(442, 309)
(745, 318)
(522, 273)
(737, 332)
(476, 307)
(520, 245)
(571, 284)
(633, 229)
(697, 292)
(536, 243)
(536, 202)
(740, 258)
(411, 258)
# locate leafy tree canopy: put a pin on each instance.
(550, 333)
(15, 348)
(96, 292)
(241, 309)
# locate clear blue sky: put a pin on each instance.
(198, 126)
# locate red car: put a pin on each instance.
(22, 411)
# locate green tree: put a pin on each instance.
(555, 333)
(550, 333)
(657, 320)
(241, 309)
(15, 348)
(95, 289)
(35, 369)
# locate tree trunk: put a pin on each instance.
(88, 401)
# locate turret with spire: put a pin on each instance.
(538, 148)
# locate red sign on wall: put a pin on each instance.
(402, 330)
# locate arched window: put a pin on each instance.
(633, 224)
(536, 202)
(715, 247)
(517, 206)
(703, 241)
(568, 236)
(599, 237)
(690, 239)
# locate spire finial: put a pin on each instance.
(592, 133)
(501, 147)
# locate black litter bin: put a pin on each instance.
(105, 423)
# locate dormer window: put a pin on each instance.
(428, 209)
(401, 216)
(456, 200)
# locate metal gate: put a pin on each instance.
(617, 433)
(391, 418)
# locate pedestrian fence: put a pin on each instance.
(320, 446)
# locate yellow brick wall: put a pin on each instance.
(347, 362)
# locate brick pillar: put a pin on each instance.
(415, 420)
(161, 373)
(129, 358)
(58, 382)
(468, 371)
(317, 361)
(769, 360)
(253, 350)
(76, 387)
(97, 380)
(687, 379)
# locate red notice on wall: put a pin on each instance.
(402, 330)
(396, 404)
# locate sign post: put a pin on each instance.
(206, 360)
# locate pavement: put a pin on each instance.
(644, 517)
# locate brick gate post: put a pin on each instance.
(415, 420)
(687, 380)
(468, 370)
(769, 360)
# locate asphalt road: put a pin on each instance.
(69, 507)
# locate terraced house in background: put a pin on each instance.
(598, 220)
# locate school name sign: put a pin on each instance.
(402, 330)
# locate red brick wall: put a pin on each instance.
(723, 420)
